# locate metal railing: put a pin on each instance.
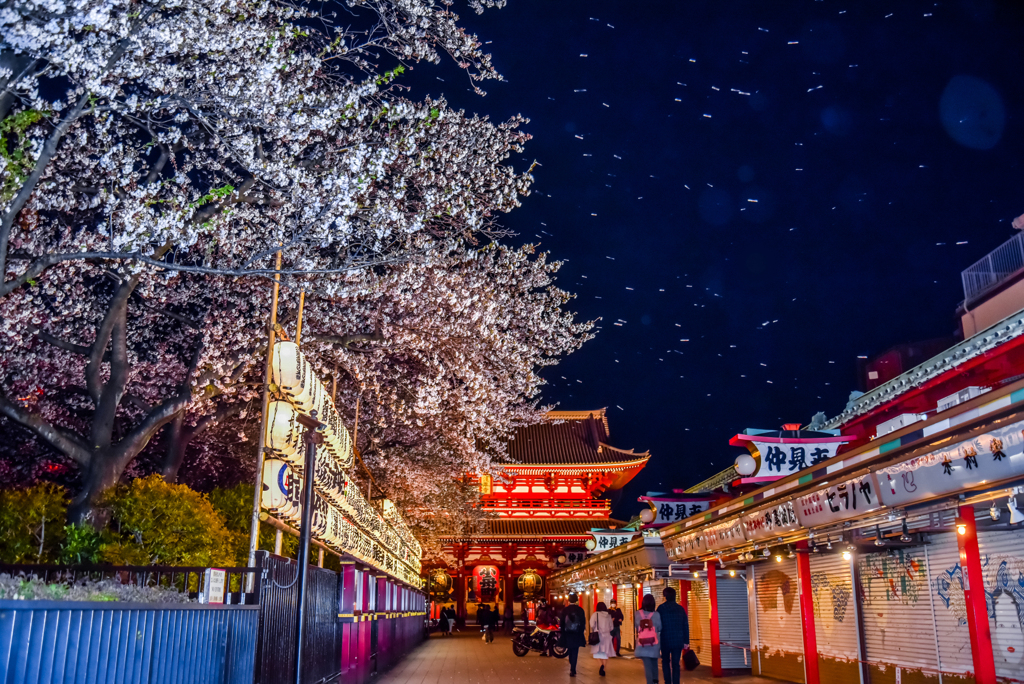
(993, 268)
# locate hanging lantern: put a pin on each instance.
(530, 583)
(486, 484)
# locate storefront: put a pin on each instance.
(623, 573)
(859, 569)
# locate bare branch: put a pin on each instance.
(67, 443)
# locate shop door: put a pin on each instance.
(627, 605)
(699, 615)
(835, 618)
(733, 622)
(896, 612)
(779, 639)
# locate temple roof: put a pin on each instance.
(509, 527)
(568, 438)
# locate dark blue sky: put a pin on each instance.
(658, 124)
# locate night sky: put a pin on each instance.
(750, 195)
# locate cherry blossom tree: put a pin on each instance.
(159, 155)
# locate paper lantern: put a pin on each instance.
(745, 465)
(647, 516)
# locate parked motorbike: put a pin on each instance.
(540, 639)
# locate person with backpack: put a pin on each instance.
(675, 635)
(648, 638)
(572, 624)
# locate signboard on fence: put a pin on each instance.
(214, 582)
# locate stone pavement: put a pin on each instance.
(465, 659)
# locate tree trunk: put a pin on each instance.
(101, 474)
(177, 442)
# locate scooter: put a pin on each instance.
(542, 639)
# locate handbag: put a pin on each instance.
(690, 660)
(594, 639)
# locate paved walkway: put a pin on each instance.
(464, 658)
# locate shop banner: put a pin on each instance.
(724, 536)
(991, 457)
(671, 509)
(773, 521)
(685, 546)
(841, 501)
(609, 539)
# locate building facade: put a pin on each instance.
(542, 509)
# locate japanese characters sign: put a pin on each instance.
(670, 509)
(777, 456)
(838, 502)
(985, 459)
(685, 546)
(574, 556)
(770, 522)
(724, 536)
(609, 539)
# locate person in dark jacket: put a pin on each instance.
(442, 622)
(675, 635)
(572, 624)
(617, 618)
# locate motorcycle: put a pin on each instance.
(541, 639)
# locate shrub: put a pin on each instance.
(235, 505)
(32, 523)
(82, 545)
(34, 589)
(165, 524)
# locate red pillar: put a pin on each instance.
(974, 596)
(803, 571)
(460, 595)
(716, 644)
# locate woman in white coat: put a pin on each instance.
(601, 623)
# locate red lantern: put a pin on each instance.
(485, 581)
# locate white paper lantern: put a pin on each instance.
(647, 516)
(745, 465)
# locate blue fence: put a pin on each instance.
(44, 642)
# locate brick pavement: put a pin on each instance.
(465, 659)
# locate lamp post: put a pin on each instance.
(312, 438)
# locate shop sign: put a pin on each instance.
(987, 458)
(724, 536)
(572, 557)
(669, 510)
(838, 502)
(778, 456)
(770, 522)
(685, 546)
(609, 539)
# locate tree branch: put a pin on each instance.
(61, 440)
(57, 342)
(116, 309)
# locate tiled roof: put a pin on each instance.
(524, 528)
(566, 438)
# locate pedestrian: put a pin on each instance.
(483, 618)
(494, 616)
(648, 638)
(545, 618)
(601, 624)
(508, 622)
(617, 618)
(451, 619)
(572, 623)
(675, 635)
(442, 622)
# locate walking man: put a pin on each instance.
(572, 624)
(617, 617)
(675, 635)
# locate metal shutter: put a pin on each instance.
(733, 621)
(1002, 561)
(896, 610)
(835, 620)
(626, 594)
(779, 634)
(698, 614)
(946, 594)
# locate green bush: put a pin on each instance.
(235, 505)
(165, 524)
(32, 523)
(82, 545)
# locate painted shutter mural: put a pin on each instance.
(896, 609)
(835, 621)
(779, 635)
(733, 621)
(835, 618)
(946, 594)
(698, 615)
(1002, 557)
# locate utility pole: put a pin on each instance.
(312, 438)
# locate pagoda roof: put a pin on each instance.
(569, 438)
